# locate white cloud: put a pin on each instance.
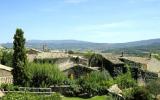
(75, 1)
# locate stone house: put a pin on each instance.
(143, 68)
(32, 54)
(73, 70)
(5, 75)
(114, 65)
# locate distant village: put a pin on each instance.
(75, 64)
(144, 66)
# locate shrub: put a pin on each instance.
(125, 81)
(44, 75)
(27, 96)
(141, 93)
(70, 52)
(137, 93)
(46, 60)
(154, 87)
(88, 54)
(95, 83)
(9, 87)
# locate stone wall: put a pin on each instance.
(139, 71)
(5, 77)
(4, 73)
(77, 71)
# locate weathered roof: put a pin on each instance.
(137, 59)
(68, 65)
(36, 50)
(113, 59)
(51, 55)
(152, 65)
(5, 67)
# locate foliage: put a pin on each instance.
(154, 87)
(137, 93)
(141, 93)
(9, 87)
(44, 75)
(157, 56)
(49, 60)
(125, 81)
(93, 98)
(96, 60)
(128, 93)
(46, 60)
(19, 59)
(88, 54)
(6, 58)
(95, 83)
(27, 96)
(75, 59)
(70, 52)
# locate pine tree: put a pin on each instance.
(19, 59)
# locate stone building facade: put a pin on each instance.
(6, 76)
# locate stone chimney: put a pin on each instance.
(150, 55)
(122, 54)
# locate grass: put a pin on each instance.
(94, 98)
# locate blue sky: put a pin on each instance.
(107, 21)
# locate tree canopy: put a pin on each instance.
(19, 58)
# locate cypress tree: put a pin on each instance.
(19, 59)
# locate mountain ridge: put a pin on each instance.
(78, 44)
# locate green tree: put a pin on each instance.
(19, 59)
(7, 58)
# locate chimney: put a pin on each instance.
(150, 55)
(122, 54)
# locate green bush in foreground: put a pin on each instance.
(137, 93)
(27, 96)
(95, 83)
(154, 87)
(44, 75)
(9, 87)
(125, 81)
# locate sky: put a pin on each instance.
(102, 21)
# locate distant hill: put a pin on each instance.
(57, 41)
(83, 45)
